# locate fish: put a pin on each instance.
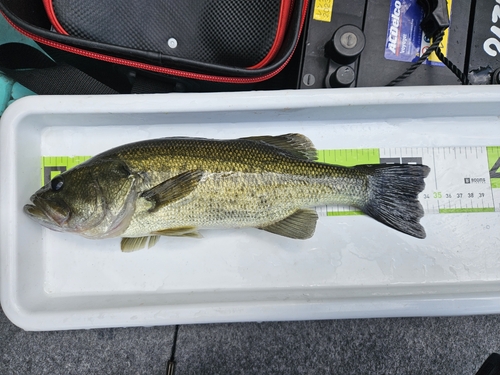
(179, 186)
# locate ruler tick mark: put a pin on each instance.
(434, 169)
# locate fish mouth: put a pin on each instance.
(49, 214)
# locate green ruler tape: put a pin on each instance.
(494, 165)
(462, 179)
(54, 165)
(350, 157)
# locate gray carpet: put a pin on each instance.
(451, 346)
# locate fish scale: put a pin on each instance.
(241, 179)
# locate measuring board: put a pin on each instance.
(462, 179)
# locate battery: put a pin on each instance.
(321, 27)
(392, 40)
(377, 69)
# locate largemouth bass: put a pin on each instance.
(179, 186)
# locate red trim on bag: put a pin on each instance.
(286, 6)
(160, 69)
(52, 17)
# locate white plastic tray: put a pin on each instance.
(353, 267)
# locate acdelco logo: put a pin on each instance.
(393, 36)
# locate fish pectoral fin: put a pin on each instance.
(300, 225)
(295, 144)
(173, 189)
(179, 232)
(130, 244)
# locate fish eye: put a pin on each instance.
(57, 183)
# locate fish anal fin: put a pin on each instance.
(179, 232)
(173, 189)
(299, 225)
(295, 144)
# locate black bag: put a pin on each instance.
(220, 41)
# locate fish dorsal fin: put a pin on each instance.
(179, 232)
(173, 189)
(295, 144)
(300, 225)
(130, 244)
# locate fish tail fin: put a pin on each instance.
(393, 196)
